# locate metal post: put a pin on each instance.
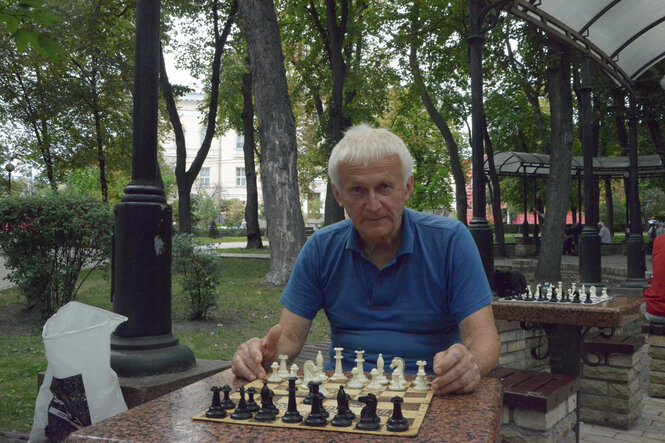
(635, 243)
(141, 262)
(479, 227)
(590, 269)
(9, 167)
(525, 224)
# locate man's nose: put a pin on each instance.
(373, 201)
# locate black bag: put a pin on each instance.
(509, 282)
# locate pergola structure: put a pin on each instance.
(624, 38)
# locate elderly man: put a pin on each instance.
(390, 280)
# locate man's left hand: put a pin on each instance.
(457, 371)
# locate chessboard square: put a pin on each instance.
(415, 394)
(411, 406)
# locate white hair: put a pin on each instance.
(363, 144)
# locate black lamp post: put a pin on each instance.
(9, 167)
(141, 262)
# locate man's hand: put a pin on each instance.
(250, 357)
(457, 371)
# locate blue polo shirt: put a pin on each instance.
(410, 309)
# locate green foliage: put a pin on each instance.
(48, 240)
(200, 274)
(234, 211)
(27, 22)
(652, 201)
(205, 210)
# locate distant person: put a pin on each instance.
(651, 232)
(605, 234)
(577, 229)
(568, 247)
(654, 306)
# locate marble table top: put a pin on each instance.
(471, 417)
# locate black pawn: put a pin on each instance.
(369, 421)
(274, 408)
(227, 403)
(316, 416)
(397, 422)
(251, 403)
(587, 299)
(292, 415)
(344, 415)
(241, 412)
(215, 410)
(267, 410)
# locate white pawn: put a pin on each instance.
(355, 382)
(322, 390)
(379, 366)
(395, 384)
(319, 367)
(420, 383)
(283, 372)
(374, 385)
(603, 293)
(294, 372)
(549, 292)
(339, 373)
(274, 378)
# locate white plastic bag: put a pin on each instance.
(77, 343)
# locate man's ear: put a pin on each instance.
(338, 196)
(409, 188)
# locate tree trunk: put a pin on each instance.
(558, 181)
(656, 137)
(609, 205)
(252, 205)
(439, 121)
(279, 175)
(101, 160)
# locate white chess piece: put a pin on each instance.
(321, 374)
(322, 390)
(603, 293)
(294, 372)
(379, 366)
(420, 383)
(549, 292)
(355, 382)
(274, 377)
(528, 291)
(283, 371)
(583, 293)
(374, 385)
(592, 291)
(308, 373)
(397, 382)
(339, 373)
(360, 360)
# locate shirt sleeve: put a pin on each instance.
(470, 291)
(302, 294)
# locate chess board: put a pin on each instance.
(414, 407)
(594, 301)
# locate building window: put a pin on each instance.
(240, 143)
(240, 177)
(204, 178)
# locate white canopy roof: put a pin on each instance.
(625, 37)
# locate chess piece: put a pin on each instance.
(587, 299)
(551, 295)
(266, 412)
(241, 412)
(344, 415)
(321, 374)
(576, 297)
(227, 403)
(397, 422)
(339, 372)
(369, 421)
(251, 404)
(420, 383)
(283, 371)
(317, 415)
(292, 415)
(216, 410)
(398, 365)
(294, 372)
(274, 376)
(374, 384)
(308, 372)
(379, 366)
(592, 291)
(359, 361)
(603, 293)
(355, 382)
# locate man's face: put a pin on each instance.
(374, 197)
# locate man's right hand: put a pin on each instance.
(251, 356)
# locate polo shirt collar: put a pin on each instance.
(353, 241)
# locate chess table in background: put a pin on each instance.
(414, 407)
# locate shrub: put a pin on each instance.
(48, 240)
(201, 274)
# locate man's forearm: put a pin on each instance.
(485, 347)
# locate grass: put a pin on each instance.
(246, 308)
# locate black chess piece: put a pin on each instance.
(274, 408)
(227, 403)
(267, 410)
(576, 297)
(292, 415)
(216, 410)
(251, 403)
(397, 422)
(316, 416)
(344, 415)
(587, 299)
(241, 412)
(310, 395)
(369, 421)
(554, 298)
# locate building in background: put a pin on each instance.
(222, 175)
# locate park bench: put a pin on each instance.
(538, 406)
